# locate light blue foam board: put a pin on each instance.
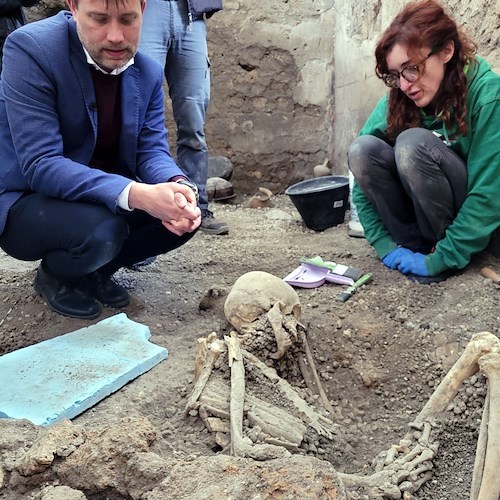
(64, 376)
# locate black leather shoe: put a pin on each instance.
(64, 298)
(106, 291)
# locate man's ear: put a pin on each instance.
(446, 52)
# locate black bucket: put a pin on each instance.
(322, 201)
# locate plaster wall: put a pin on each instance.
(358, 27)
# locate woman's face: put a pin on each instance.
(433, 65)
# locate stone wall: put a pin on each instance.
(272, 89)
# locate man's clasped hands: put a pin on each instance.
(173, 203)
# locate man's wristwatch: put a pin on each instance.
(189, 184)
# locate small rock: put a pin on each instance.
(220, 166)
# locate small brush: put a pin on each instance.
(351, 290)
(340, 269)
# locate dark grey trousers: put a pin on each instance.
(75, 239)
(417, 186)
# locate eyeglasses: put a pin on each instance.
(411, 74)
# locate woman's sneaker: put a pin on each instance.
(355, 229)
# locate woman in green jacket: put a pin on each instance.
(427, 161)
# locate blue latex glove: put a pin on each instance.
(393, 258)
(413, 264)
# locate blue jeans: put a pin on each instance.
(181, 49)
(417, 186)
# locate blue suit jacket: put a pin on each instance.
(48, 120)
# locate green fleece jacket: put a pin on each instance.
(479, 216)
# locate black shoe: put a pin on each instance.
(143, 263)
(210, 225)
(65, 298)
(106, 291)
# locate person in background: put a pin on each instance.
(427, 161)
(11, 18)
(88, 184)
(175, 35)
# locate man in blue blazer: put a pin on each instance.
(87, 183)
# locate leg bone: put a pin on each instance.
(482, 441)
(490, 483)
(215, 349)
(467, 365)
(240, 447)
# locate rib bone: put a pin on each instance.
(320, 424)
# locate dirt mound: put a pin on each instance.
(379, 356)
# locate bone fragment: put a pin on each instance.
(212, 410)
(398, 474)
(418, 484)
(426, 434)
(427, 454)
(283, 341)
(489, 273)
(480, 344)
(320, 424)
(490, 482)
(215, 349)
(202, 353)
(276, 442)
(218, 425)
(239, 446)
(215, 401)
(274, 415)
(237, 396)
(222, 439)
(311, 365)
(391, 455)
(265, 193)
(378, 462)
(378, 484)
(482, 441)
(282, 433)
(426, 466)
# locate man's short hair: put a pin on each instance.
(116, 2)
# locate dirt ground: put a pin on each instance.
(379, 355)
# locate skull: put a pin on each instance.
(257, 294)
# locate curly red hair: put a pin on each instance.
(426, 24)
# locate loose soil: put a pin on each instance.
(379, 355)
